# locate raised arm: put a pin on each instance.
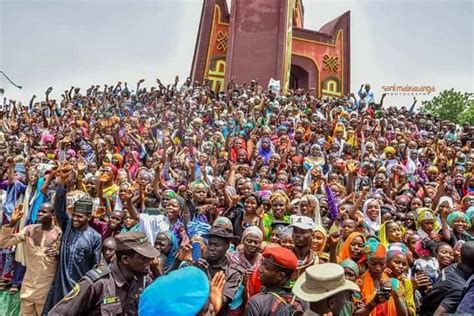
(446, 232)
(32, 100)
(60, 202)
(357, 204)
(132, 210)
(11, 167)
(7, 238)
(412, 108)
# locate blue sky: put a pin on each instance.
(61, 43)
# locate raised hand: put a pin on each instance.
(10, 161)
(81, 166)
(16, 215)
(334, 239)
(217, 287)
(128, 195)
(352, 167)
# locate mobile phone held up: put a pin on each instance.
(385, 291)
(196, 251)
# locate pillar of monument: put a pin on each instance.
(259, 41)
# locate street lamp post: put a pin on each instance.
(9, 80)
(2, 91)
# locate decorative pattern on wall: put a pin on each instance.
(222, 41)
(331, 63)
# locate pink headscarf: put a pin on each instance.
(47, 138)
(136, 163)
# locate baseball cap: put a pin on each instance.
(302, 222)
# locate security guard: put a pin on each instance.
(112, 290)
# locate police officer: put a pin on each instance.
(275, 271)
(114, 289)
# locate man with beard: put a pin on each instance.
(112, 290)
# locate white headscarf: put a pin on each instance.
(317, 213)
(374, 226)
(308, 177)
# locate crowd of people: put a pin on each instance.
(177, 200)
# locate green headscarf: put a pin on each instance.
(350, 264)
(455, 215)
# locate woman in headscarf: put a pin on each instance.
(279, 202)
(467, 201)
(312, 180)
(145, 184)
(470, 217)
(372, 216)
(412, 163)
(426, 223)
(352, 249)
(173, 214)
(309, 206)
(389, 158)
(265, 149)
(351, 273)
(375, 281)
(201, 209)
(251, 217)
(222, 222)
(296, 165)
(390, 232)
(117, 160)
(165, 197)
(445, 206)
(368, 150)
(397, 267)
(132, 162)
(237, 144)
(315, 158)
(468, 187)
(319, 243)
(248, 256)
(108, 189)
(167, 243)
(454, 227)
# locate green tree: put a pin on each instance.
(451, 105)
(467, 116)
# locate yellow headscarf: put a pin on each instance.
(322, 230)
(383, 234)
(279, 195)
(425, 213)
(389, 150)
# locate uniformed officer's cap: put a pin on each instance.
(135, 241)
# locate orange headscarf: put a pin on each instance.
(368, 292)
(344, 252)
(119, 158)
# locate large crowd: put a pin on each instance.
(177, 200)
